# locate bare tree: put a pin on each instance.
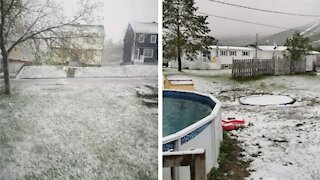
(24, 20)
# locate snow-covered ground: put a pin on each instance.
(118, 71)
(283, 142)
(29, 72)
(96, 131)
(42, 72)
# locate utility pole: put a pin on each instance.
(217, 48)
(256, 55)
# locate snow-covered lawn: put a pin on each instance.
(42, 72)
(29, 72)
(282, 141)
(77, 132)
(118, 71)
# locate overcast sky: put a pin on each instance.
(222, 28)
(116, 14)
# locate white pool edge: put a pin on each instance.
(208, 138)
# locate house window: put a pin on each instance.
(148, 53)
(89, 39)
(141, 38)
(223, 53)
(245, 53)
(89, 54)
(233, 53)
(153, 39)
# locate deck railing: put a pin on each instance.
(195, 158)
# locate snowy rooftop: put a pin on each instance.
(141, 27)
(314, 53)
(232, 48)
(84, 29)
(272, 48)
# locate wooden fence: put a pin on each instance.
(256, 67)
(195, 158)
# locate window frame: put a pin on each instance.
(154, 40)
(141, 38)
(232, 53)
(223, 53)
(144, 52)
(245, 53)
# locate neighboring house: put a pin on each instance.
(268, 52)
(79, 45)
(223, 55)
(312, 60)
(140, 44)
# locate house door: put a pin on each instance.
(75, 58)
(140, 56)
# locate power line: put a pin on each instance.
(316, 5)
(244, 21)
(265, 10)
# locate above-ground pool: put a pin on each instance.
(191, 120)
(181, 113)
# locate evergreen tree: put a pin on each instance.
(184, 31)
(298, 46)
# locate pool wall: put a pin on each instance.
(205, 133)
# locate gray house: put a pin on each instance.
(140, 44)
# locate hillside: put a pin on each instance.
(311, 30)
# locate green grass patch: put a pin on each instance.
(250, 79)
(230, 166)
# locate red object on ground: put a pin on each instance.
(230, 124)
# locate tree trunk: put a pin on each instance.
(7, 87)
(179, 49)
(179, 58)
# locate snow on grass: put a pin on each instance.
(42, 72)
(118, 71)
(29, 72)
(282, 141)
(77, 132)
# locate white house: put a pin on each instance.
(78, 45)
(311, 59)
(223, 55)
(268, 52)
